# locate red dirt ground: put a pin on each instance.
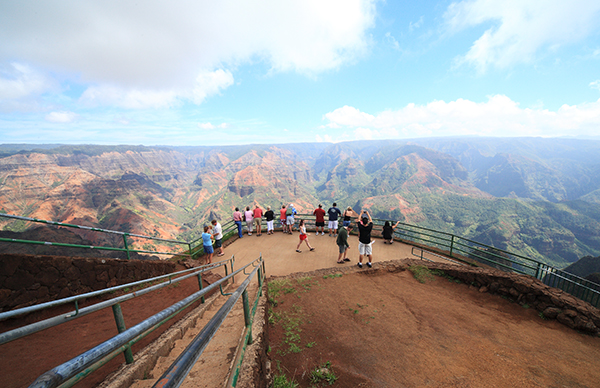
(388, 330)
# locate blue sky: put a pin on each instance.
(240, 72)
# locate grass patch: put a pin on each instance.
(281, 381)
(421, 273)
(277, 287)
(332, 276)
(323, 375)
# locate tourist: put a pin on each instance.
(258, 220)
(319, 214)
(342, 243)
(249, 215)
(289, 220)
(388, 232)
(218, 236)
(207, 243)
(348, 214)
(303, 237)
(282, 217)
(270, 216)
(333, 213)
(237, 219)
(365, 226)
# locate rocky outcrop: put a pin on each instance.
(552, 303)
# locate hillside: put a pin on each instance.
(537, 197)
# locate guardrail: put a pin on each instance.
(72, 371)
(461, 248)
(193, 248)
(166, 280)
(180, 368)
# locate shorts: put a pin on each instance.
(303, 237)
(342, 248)
(218, 243)
(208, 249)
(345, 223)
(282, 221)
(320, 223)
(333, 224)
(365, 249)
(290, 220)
(257, 221)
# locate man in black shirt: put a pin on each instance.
(365, 226)
(333, 213)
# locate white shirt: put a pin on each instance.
(217, 231)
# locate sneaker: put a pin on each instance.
(359, 265)
(322, 233)
(369, 264)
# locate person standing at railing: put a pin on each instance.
(218, 236)
(333, 213)
(237, 219)
(289, 219)
(388, 232)
(319, 214)
(269, 216)
(258, 213)
(249, 215)
(348, 214)
(207, 244)
(282, 219)
(365, 226)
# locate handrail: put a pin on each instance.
(23, 331)
(180, 368)
(70, 372)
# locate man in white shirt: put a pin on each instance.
(218, 235)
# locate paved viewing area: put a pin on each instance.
(281, 258)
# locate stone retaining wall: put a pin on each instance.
(26, 280)
(551, 302)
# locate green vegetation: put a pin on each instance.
(421, 273)
(323, 375)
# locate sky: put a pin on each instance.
(247, 72)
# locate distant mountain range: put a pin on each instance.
(538, 197)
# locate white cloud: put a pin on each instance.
(499, 116)
(520, 29)
(211, 82)
(19, 81)
(61, 117)
(413, 26)
(154, 51)
(129, 98)
(595, 84)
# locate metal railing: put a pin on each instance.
(467, 251)
(165, 280)
(72, 371)
(180, 368)
(192, 247)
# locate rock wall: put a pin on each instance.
(551, 302)
(27, 279)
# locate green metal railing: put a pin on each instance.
(72, 371)
(467, 251)
(192, 248)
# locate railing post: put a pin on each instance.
(537, 271)
(118, 313)
(247, 318)
(451, 244)
(190, 249)
(201, 286)
(126, 248)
